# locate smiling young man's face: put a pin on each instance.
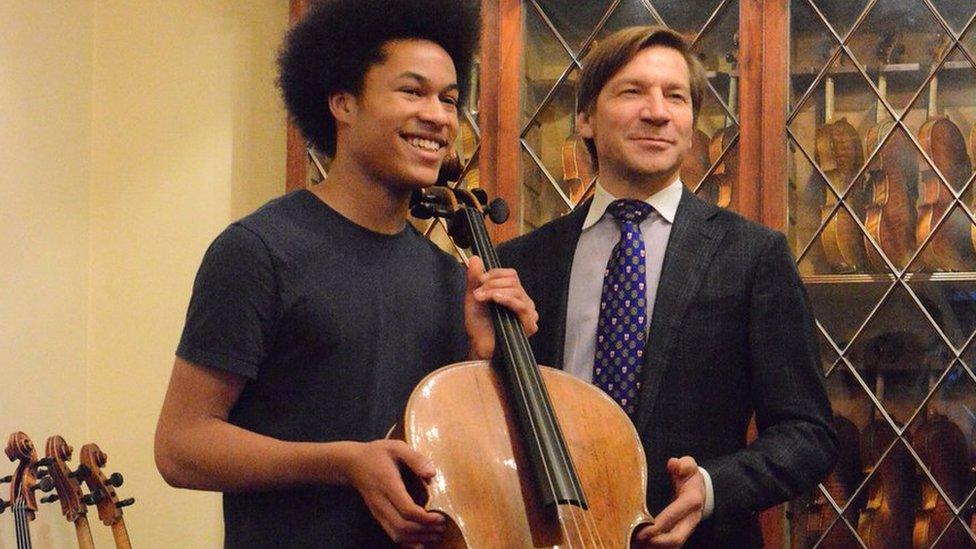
(642, 121)
(401, 123)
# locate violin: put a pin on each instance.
(25, 481)
(578, 176)
(887, 518)
(695, 164)
(893, 179)
(838, 152)
(726, 173)
(721, 150)
(841, 483)
(943, 142)
(941, 445)
(525, 456)
(103, 494)
(68, 491)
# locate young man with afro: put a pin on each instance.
(313, 318)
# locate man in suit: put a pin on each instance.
(691, 317)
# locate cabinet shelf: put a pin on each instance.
(865, 278)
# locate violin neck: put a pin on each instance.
(83, 532)
(121, 535)
(21, 527)
(882, 92)
(555, 476)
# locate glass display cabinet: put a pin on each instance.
(880, 132)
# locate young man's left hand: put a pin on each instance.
(675, 523)
(501, 286)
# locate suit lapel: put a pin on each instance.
(694, 239)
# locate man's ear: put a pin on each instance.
(342, 105)
(583, 126)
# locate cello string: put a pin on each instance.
(519, 352)
(533, 373)
(484, 249)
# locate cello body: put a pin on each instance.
(524, 455)
(496, 505)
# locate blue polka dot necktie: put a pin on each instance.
(623, 309)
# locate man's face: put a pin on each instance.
(400, 125)
(642, 121)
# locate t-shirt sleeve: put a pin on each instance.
(235, 307)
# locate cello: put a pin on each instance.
(103, 494)
(943, 142)
(74, 504)
(25, 481)
(525, 456)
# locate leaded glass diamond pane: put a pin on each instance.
(676, 14)
(574, 21)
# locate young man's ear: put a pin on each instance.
(342, 105)
(583, 126)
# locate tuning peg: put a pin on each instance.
(498, 211)
(45, 462)
(125, 502)
(5, 479)
(81, 471)
(50, 499)
(92, 498)
(115, 480)
(46, 484)
(3, 505)
(480, 194)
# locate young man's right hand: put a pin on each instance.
(373, 469)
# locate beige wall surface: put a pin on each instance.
(45, 169)
(131, 133)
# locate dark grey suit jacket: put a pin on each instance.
(731, 334)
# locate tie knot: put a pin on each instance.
(632, 211)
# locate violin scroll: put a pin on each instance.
(102, 488)
(28, 478)
(69, 493)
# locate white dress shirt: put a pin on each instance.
(600, 234)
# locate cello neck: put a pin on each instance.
(555, 476)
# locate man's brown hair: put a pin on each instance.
(617, 50)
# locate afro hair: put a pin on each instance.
(332, 47)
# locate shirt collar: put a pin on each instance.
(664, 202)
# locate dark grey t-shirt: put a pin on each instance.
(333, 325)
